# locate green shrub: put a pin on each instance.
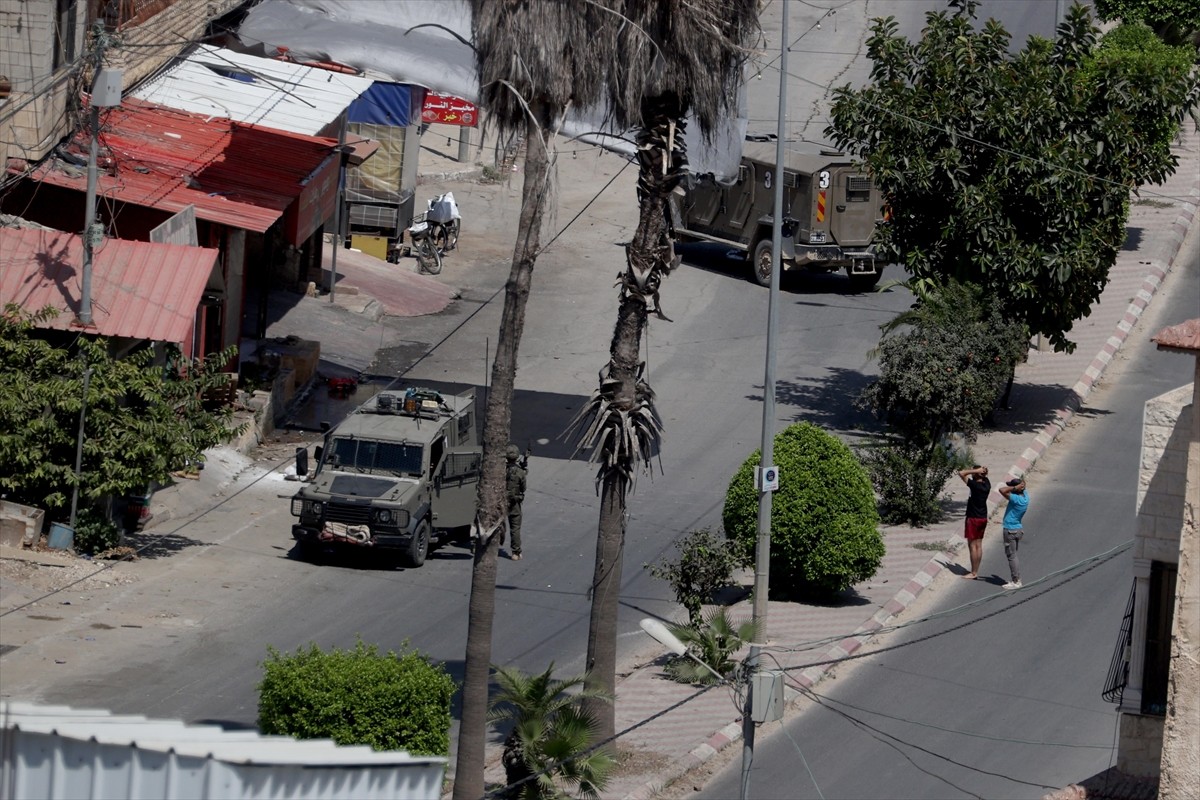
(713, 642)
(390, 702)
(824, 525)
(705, 565)
(94, 532)
(909, 478)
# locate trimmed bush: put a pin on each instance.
(390, 702)
(824, 524)
(95, 533)
(910, 478)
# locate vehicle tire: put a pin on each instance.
(760, 264)
(429, 259)
(418, 548)
(453, 228)
(308, 551)
(861, 284)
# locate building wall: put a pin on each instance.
(36, 116)
(1181, 730)
(1162, 493)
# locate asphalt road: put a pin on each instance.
(186, 641)
(1002, 700)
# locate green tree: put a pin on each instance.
(1176, 22)
(824, 525)
(144, 419)
(705, 564)
(550, 744)
(1008, 171)
(942, 367)
(389, 702)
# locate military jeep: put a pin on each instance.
(398, 475)
(830, 211)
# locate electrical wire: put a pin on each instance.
(803, 760)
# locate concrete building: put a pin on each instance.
(46, 52)
(1156, 670)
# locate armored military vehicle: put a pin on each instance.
(831, 209)
(397, 474)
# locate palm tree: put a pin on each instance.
(548, 746)
(675, 57)
(534, 59)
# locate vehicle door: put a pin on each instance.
(855, 206)
(739, 199)
(455, 481)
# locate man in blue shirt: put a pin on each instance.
(1018, 502)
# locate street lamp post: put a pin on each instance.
(767, 474)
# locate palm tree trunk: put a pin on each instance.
(472, 732)
(649, 258)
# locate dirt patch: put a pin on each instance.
(641, 762)
(32, 578)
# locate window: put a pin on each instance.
(64, 32)
(1159, 614)
(858, 189)
(369, 456)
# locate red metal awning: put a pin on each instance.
(242, 176)
(140, 290)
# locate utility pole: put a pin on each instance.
(106, 91)
(767, 475)
(87, 378)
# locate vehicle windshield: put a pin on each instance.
(371, 457)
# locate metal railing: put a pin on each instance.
(1118, 670)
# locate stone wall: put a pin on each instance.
(1140, 749)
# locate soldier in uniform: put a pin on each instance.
(515, 485)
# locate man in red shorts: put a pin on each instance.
(980, 487)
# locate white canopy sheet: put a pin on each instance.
(413, 41)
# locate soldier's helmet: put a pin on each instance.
(512, 453)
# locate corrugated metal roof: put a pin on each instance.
(239, 175)
(218, 82)
(90, 753)
(140, 290)
(1184, 337)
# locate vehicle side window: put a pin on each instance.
(858, 189)
(435, 453)
(462, 465)
(464, 427)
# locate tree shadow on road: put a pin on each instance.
(150, 544)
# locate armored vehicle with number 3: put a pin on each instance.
(830, 210)
(398, 475)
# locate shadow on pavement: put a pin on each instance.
(149, 544)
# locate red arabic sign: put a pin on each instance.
(449, 110)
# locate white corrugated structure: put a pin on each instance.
(261, 91)
(52, 752)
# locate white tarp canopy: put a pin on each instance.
(414, 41)
(260, 91)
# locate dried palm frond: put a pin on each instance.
(619, 435)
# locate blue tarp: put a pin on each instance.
(388, 104)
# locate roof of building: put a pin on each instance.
(239, 175)
(218, 82)
(1184, 337)
(140, 290)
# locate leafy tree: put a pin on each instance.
(668, 59)
(943, 365)
(389, 702)
(1010, 172)
(143, 419)
(1176, 22)
(704, 566)
(824, 526)
(549, 746)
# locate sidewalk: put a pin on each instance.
(1048, 390)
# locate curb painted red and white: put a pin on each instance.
(905, 597)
